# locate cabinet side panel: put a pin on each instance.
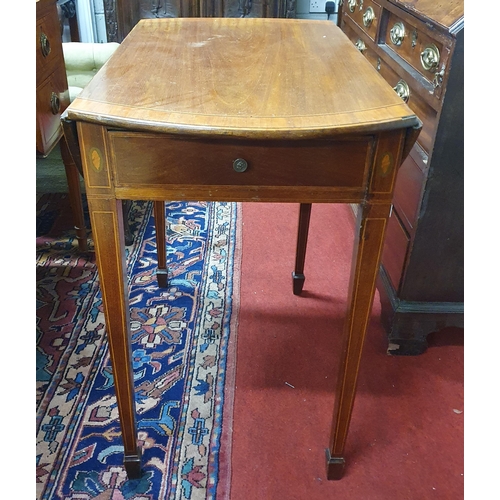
(436, 268)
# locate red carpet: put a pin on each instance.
(406, 434)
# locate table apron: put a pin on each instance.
(268, 194)
(225, 170)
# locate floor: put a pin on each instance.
(426, 463)
(406, 436)
(50, 174)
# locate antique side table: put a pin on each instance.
(232, 109)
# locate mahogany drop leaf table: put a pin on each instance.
(249, 110)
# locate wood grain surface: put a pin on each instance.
(240, 77)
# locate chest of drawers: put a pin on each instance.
(417, 46)
(52, 96)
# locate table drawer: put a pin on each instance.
(148, 159)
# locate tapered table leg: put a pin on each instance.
(129, 235)
(300, 254)
(107, 223)
(365, 265)
(161, 249)
(75, 195)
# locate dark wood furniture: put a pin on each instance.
(51, 86)
(418, 47)
(67, 15)
(220, 122)
(52, 98)
(122, 15)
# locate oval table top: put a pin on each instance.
(241, 77)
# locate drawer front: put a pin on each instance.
(361, 44)
(425, 113)
(395, 250)
(425, 54)
(48, 45)
(408, 190)
(143, 159)
(49, 106)
(422, 109)
(365, 13)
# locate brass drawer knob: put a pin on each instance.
(240, 165)
(403, 90)
(368, 16)
(44, 45)
(55, 103)
(360, 45)
(352, 5)
(397, 33)
(430, 57)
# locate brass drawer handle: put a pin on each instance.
(352, 5)
(55, 103)
(360, 45)
(397, 33)
(44, 45)
(240, 165)
(430, 57)
(368, 16)
(403, 90)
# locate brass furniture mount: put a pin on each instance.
(44, 44)
(403, 90)
(360, 45)
(414, 38)
(368, 16)
(55, 103)
(438, 78)
(240, 165)
(397, 33)
(429, 57)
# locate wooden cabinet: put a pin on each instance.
(52, 96)
(418, 47)
(122, 15)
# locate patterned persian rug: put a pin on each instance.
(183, 343)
